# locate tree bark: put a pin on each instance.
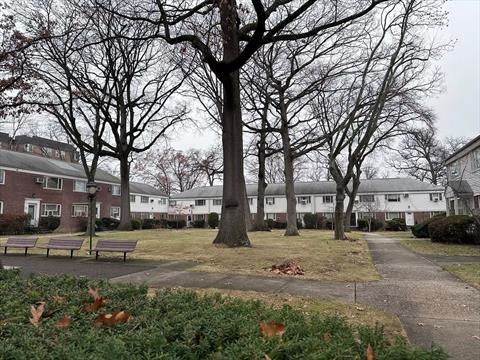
(233, 227)
(339, 213)
(352, 194)
(125, 221)
(261, 186)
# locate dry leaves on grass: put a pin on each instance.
(99, 301)
(287, 268)
(37, 313)
(113, 319)
(272, 328)
(64, 323)
(370, 353)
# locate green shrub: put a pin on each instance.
(395, 225)
(176, 224)
(136, 224)
(279, 224)
(362, 224)
(299, 224)
(109, 223)
(421, 230)
(375, 224)
(13, 224)
(460, 229)
(213, 220)
(151, 223)
(176, 324)
(199, 224)
(328, 224)
(270, 223)
(310, 220)
(49, 223)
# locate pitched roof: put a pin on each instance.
(460, 187)
(139, 188)
(43, 165)
(471, 143)
(393, 185)
(43, 142)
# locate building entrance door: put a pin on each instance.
(409, 219)
(32, 209)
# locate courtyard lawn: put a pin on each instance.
(470, 273)
(396, 234)
(315, 251)
(426, 247)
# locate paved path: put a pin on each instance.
(434, 306)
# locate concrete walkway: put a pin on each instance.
(434, 306)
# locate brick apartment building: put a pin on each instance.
(40, 185)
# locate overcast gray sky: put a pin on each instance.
(457, 108)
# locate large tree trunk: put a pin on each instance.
(292, 229)
(248, 214)
(262, 185)
(351, 202)
(92, 216)
(125, 220)
(339, 213)
(233, 228)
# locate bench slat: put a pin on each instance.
(124, 246)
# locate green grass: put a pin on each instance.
(470, 273)
(315, 251)
(427, 247)
(175, 325)
(396, 234)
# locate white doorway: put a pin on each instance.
(409, 219)
(32, 209)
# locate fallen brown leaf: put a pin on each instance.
(97, 304)
(64, 323)
(94, 292)
(37, 313)
(113, 319)
(267, 357)
(272, 328)
(370, 353)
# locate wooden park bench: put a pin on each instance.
(124, 246)
(63, 244)
(17, 242)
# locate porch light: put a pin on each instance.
(92, 188)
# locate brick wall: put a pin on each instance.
(20, 186)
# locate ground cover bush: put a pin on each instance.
(213, 220)
(421, 230)
(310, 220)
(460, 229)
(136, 224)
(376, 224)
(48, 223)
(198, 224)
(173, 325)
(395, 225)
(12, 224)
(176, 224)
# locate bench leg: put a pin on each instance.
(124, 256)
(26, 249)
(5, 251)
(96, 255)
(71, 254)
(48, 251)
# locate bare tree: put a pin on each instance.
(210, 164)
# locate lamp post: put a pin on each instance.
(92, 191)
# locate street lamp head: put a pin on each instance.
(92, 187)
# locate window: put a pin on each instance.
(303, 200)
(115, 212)
(52, 210)
(436, 213)
(62, 154)
(328, 216)
(271, 216)
(57, 153)
(328, 199)
(79, 210)
(392, 215)
(172, 203)
(217, 202)
(116, 190)
(250, 201)
(52, 183)
(367, 198)
(270, 200)
(79, 186)
(365, 215)
(200, 202)
(144, 199)
(455, 169)
(162, 201)
(28, 147)
(476, 159)
(2, 176)
(476, 202)
(436, 197)
(392, 197)
(132, 198)
(1, 207)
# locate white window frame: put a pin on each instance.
(1, 207)
(325, 199)
(118, 211)
(115, 192)
(304, 200)
(365, 215)
(436, 196)
(45, 183)
(85, 212)
(46, 213)
(369, 196)
(172, 203)
(28, 147)
(388, 217)
(454, 169)
(217, 202)
(271, 216)
(133, 197)
(83, 190)
(144, 199)
(435, 213)
(270, 200)
(476, 159)
(393, 198)
(2, 177)
(200, 202)
(250, 200)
